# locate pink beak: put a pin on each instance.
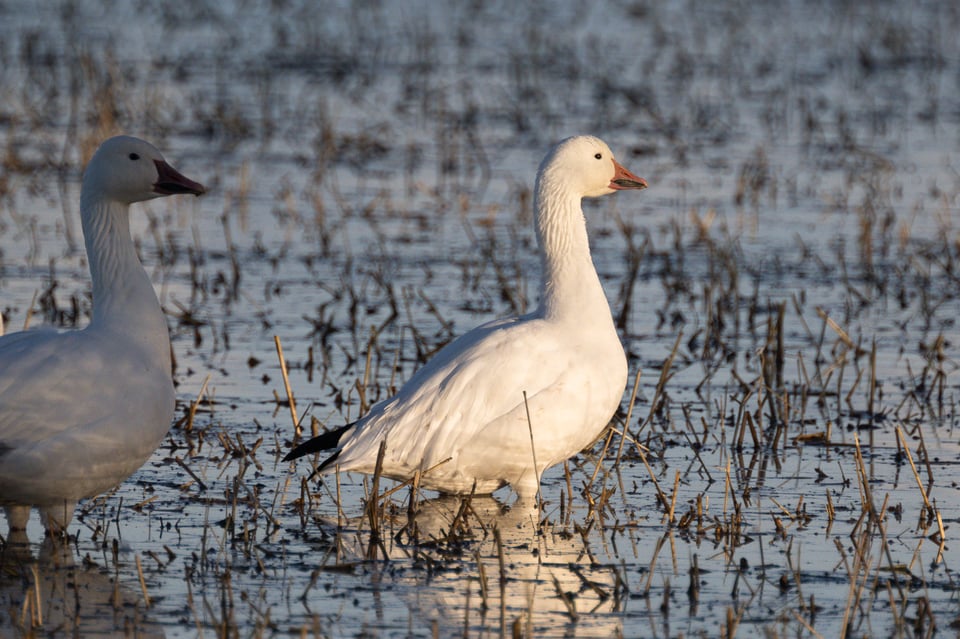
(624, 179)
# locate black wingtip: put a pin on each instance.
(325, 441)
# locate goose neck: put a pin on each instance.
(570, 287)
(123, 297)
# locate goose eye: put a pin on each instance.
(134, 156)
(599, 156)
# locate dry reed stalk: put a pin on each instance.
(373, 504)
(925, 456)
(693, 589)
(796, 574)
(466, 612)
(139, 505)
(727, 487)
(566, 508)
(857, 583)
(671, 520)
(156, 558)
(459, 518)
(875, 515)
(831, 512)
(805, 624)
(741, 428)
(653, 564)
(913, 467)
(568, 603)
(286, 386)
(600, 457)
(661, 382)
(29, 315)
(368, 362)
(873, 380)
(482, 578)
(660, 496)
(190, 472)
(195, 404)
(626, 419)
(415, 480)
(413, 507)
(848, 398)
(36, 615)
(502, 565)
(533, 451)
(694, 448)
(842, 334)
(748, 419)
(143, 582)
(729, 630)
(341, 517)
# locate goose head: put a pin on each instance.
(126, 169)
(587, 167)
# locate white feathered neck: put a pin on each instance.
(570, 288)
(124, 301)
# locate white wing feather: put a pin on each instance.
(70, 396)
(468, 404)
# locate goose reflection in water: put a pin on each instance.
(500, 568)
(52, 595)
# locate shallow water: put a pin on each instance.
(366, 159)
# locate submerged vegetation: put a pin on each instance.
(787, 291)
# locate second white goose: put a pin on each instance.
(82, 410)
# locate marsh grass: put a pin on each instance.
(786, 290)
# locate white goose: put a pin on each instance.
(80, 411)
(462, 419)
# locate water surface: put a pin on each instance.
(370, 169)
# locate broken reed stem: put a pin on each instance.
(373, 505)
(727, 487)
(196, 404)
(861, 563)
(873, 382)
(29, 315)
(930, 511)
(286, 386)
(565, 598)
(143, 582)
(874, 514)
(626, 420)
(603, 454)
(660, 496)
(806, 624)
(533, 450)
(842, 334)
(482, 578)
(37, 615)
(414, 481)
(652, 570)
(916, 475)
(362, 390)
(190, 472)
(673, 501)
(502, 563)
(341, 516)
(661, 382)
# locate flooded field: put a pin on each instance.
(786, 458)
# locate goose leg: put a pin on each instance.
(56, 518)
